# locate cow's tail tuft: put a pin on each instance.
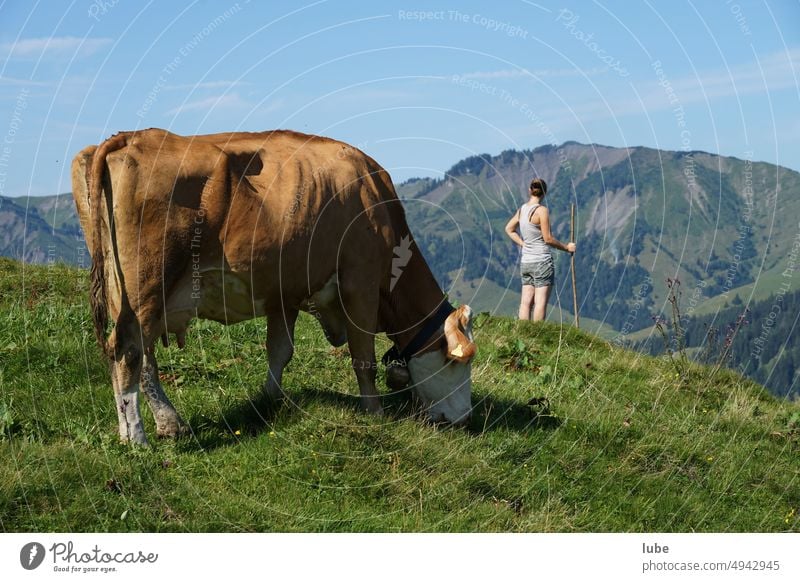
(97, 293)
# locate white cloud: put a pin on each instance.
(770, 73)
(58, 46)
(228, 100)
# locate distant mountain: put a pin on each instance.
(42, 230)
(721, 225)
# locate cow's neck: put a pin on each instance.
(415, 298)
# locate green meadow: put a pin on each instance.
(613, 441)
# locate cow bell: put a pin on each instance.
(397, 376)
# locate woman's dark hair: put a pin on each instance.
(538, 187)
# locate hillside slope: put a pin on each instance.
(621, 446)
(763, 347)
(720, 224)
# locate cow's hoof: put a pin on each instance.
(172, 430)
(135, 440)
(169, 424)
(273, 394)
(372, 405)
(132, 434)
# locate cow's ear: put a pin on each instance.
(458, 333)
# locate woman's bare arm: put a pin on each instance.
(511, 230)
(547, 235)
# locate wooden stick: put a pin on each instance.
(574, 284)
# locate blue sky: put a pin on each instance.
(417, 85)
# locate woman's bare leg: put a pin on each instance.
(540, 299)
(526, 302)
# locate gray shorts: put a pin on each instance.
(538, 274)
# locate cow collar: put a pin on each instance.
(432, 324)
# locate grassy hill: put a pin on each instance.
(761, 348)
(487, 296)
(622, 446)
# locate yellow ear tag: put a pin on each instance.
(458, 352)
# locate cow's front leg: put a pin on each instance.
(126, 371)
(168, 421)
(362, 315)
(280, 348)
(362, 350)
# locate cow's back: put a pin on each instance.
(296, 201)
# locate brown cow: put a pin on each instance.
(234, 226)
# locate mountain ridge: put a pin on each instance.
(628, 211)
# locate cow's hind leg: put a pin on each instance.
(280, 348)
(168, 421)
(126, 369)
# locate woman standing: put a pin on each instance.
(536, 264)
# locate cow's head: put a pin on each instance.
(441, 379)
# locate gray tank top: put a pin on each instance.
(535, 250)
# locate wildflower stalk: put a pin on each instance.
(712, 335)
(661, 324)
(674, 286)
(679, 360)
(729, 337)
(674, 335)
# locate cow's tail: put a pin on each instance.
(97, 294)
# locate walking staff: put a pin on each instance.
(572, 259)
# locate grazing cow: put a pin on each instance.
(234, 226)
